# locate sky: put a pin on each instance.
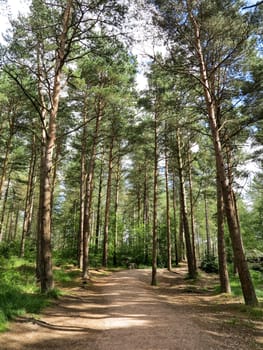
(16, 6)
(12, 8)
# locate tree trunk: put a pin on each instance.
(29, 198)
(222, 259)
(226, 187)
(116, 207)
(98, 223)
(168, 218)
(41, 189)
(4, 192)
(46, 277)
(189, 251)
(146, 216)
(107, 205)
(207, 229)
(83, 178)
(9, 221)
(192, 207)
(16, 224)
(175, 223)
(4, 208)
(155, 199)
(8, 146)
(89, 193)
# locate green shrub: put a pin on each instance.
(65, 256)
(209, 264)
(8, 249)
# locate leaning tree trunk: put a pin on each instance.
(226, 186)
(233, 224)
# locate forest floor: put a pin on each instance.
(121, 311)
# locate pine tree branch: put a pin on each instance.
(251, 6)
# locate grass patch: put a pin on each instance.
(66, 278)
(257, 277)
(236, 290)
(235, 286)
(18, 291)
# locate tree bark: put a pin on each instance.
(46, 276)
(4, 209)
(189, 250)
(191, 207)
(207, 228)
(155, 199)
(8, 146)
(29, 202)
(146, 216)
(83, 178)
(107, 204)
(98, 218)
(168, 218)
(116, 207)
(89, 192)
(175, 223)
(222, 259)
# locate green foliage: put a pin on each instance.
(209, 264)
(18, 290)
(257, 278)
(235, 285)
(64, 256)
(65, 276)
(9, 249)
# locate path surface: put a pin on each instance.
(123, 312)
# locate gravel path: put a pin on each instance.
(123, 312)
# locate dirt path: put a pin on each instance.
(123, 312)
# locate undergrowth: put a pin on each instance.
(236, 290)
(257, 277)
(19, 293)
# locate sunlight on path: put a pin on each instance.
(122, 322)
(123, 312)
